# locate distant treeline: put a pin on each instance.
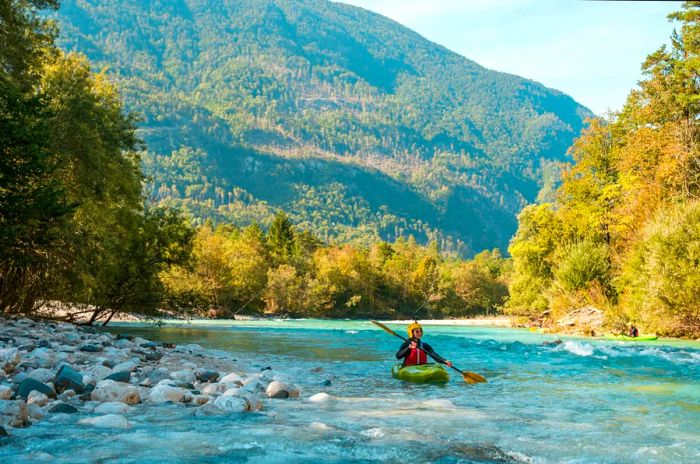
(287, 272)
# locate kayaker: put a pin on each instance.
(633, 331)
(413, 351)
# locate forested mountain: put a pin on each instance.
(356, 126)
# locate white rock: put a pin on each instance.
(112, 407)
(123, 343)
(16, 411)
(35, 411)
(199, 400)
(5, 392)
(129, 366)
(109, 390)
(109, 421)
(183, 376)
(232, 378)
(189, 348)
(232, 392)
(10, 355)
(277, 389)
(231, 404)
(162, 393)
(44, 357)
(159, 374)
(253, 403)
(42, 374)
(66, 395)
(189, 365)
(98, 371)
(320, 398)
(255, 387)
(214, 389)
(170, 382)
(37, 398)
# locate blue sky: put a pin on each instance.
(591, 50)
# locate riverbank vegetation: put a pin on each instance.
(74, 225)
(623, 233)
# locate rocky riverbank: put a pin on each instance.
(49, 369)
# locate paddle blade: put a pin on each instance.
(473, 377)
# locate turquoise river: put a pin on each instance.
(582, 401)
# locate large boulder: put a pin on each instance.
(231, 404)
(214, 389)
(37, 398)
(28, 385)
(162, 393)
(253, 403)
(183, 376)
(5, 392)
(109, 390)
(112, 407)
(128, 366)
(277, 389)
(35, 410)
(15, 413)
(200, 400)
(10, 356)
(232, 378)
(204, 375)
(68, 378)
(98, 371)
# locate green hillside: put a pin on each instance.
(358, 127)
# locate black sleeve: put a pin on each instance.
(403, 351)
(429, 349)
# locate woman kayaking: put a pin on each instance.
(414, 352)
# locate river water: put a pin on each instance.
(582, 401)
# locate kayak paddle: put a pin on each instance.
(469, 377)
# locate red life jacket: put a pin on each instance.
(416, 356)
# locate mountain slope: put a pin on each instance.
(357, 126)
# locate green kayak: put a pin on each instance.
(627, 338)
(423, 373)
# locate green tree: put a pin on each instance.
(280, 237)
(33, 208)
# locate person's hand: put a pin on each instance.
(449, 363)
(413, 345)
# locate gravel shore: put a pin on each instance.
(50, 368)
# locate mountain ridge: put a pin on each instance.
(288, 92)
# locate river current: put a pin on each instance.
(581, 401)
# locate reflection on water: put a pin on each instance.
(582, 401)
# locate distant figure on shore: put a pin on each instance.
(413, 351)
(552, 343)
(633, 331)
